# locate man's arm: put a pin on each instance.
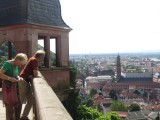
(35, 73)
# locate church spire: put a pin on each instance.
(118, 67)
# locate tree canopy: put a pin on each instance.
(92, 92)
(134, 107)
(118, 106)
(88, 113)
(113, 95)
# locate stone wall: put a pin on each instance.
(47, 105)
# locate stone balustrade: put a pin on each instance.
(47, 105)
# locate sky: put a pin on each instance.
(112, 26)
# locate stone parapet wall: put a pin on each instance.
(47, 104)
(58, 78)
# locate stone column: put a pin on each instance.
(58, 51)
(47, 60)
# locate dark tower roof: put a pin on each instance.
(38, 12)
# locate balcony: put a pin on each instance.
(47, 105)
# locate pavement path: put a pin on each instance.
(2, 109)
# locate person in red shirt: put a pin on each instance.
(28, 73)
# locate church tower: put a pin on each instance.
(118, 68)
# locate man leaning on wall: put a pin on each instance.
(28, 73)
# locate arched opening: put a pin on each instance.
(7, 51)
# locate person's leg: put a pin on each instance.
(17, 110)
(9, 112)
(29, 104)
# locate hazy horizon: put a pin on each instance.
(143, 51)
(124, 52)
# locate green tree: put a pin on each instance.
(145, 94)
(89, 102)
(113, 95)
(88, 113)
(92, 92)
(136, 92)
(73, 99)
(118, 106)
(134, 107)
(4, 52)
(3, 59)
(110, 116)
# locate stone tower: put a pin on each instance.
(24, 22)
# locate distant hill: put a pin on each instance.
(53, 55)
